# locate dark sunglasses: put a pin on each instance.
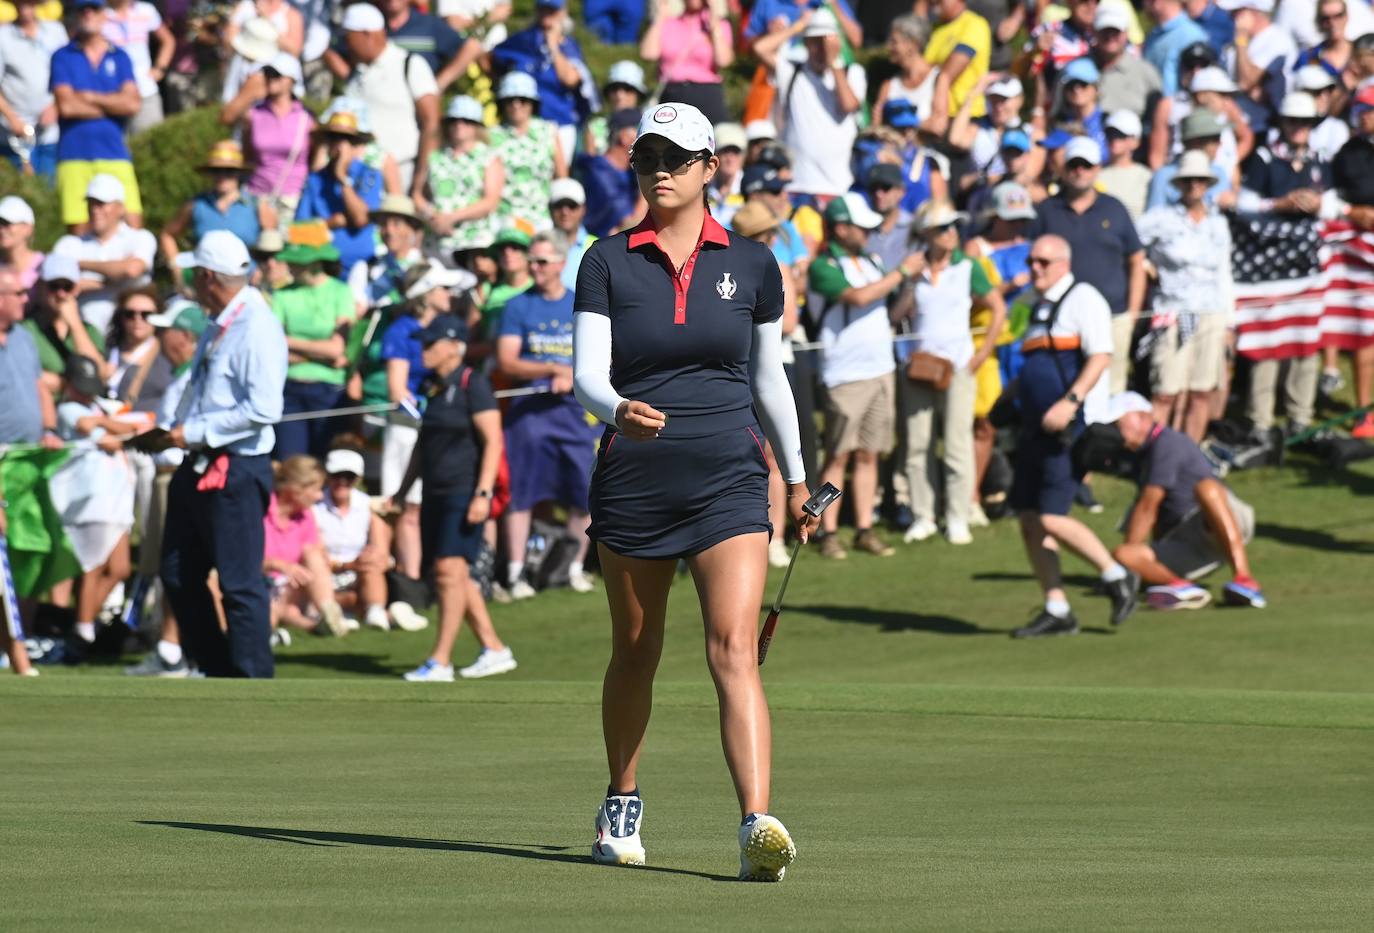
(877, 188)
(565, 205)
(674, 160)
(132, 313)
(349, 478)
(940, 230)
(1037, 261)
(542, 261)
(1076, 85)
(61, 285)
(1322, 18)
(1080, 165)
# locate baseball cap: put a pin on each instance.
(1200, 124)
(344, 461)
(1009, 86)
(1011, 201)
(1057, 139)
(1298, 105)
(82, 374)
(1123, 403)
(756, 130)
(363, 17)
(823, 23)
(59, 267)
(512, 236)
(182, 315)
(1262, 6)
(1080, 69)
(218, 251)
(761, 177)
(623, 120)
(443, 327)
(105, 188)
(15, 210)
(885, 175)
(627, 73)
(1214, 79)
(1197, 55)
(286, 65)
(681, 124)
(1016, 139)
(423, 279)
(567, 189)
(1083, 148)
(465, 108)
(549, 4)
(774, 154)
(1313, 78)
(851, 208)
(1111, 16)
(517, 84)
(731, 136)
(901, 114)
(1125, 122)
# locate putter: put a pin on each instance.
(820, 500)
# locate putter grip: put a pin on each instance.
(766, 636)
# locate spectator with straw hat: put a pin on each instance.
(225, 206)
(345, 189)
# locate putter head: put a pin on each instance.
(820, 500)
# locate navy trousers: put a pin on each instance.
(222, 530)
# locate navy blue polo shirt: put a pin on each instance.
(681, 339)
(450, 447)
(429, 37)
(1273, 172)
(101, 137)
(1102, 238)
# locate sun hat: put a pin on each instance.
(627, 73)
(1111, 16)
(341, 461)
(345, 117)
(754, 218)
(1194, 164)
(269, 242)
(257, 40)
(1016, 139)
(225, 154)
(397, 205)
(681, 124)
(731, 136)
(851, 208)
(218, 251)
(1313, 78)
(511, 236)
(519, 86)
(308, 241)
(933, 215)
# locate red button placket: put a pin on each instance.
(682, 281)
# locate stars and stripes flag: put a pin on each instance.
(1301, 284)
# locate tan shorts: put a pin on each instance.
(861, 415)
(150, 548)
(1197, 366)
(1190, 549)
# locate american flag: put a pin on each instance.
(1347, 259)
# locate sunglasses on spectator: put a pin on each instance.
(61, 285)
(1038, 261)
(1076, 85)
(565, 205)
(136, 313)
(349, 478)
(1080, 165)
(1330, 17)
(674, 160)
(940, 230)
(877, 188)
(543, 261)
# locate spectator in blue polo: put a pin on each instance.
(1166, 42)
(613, 200)
(94, 88)
(550, 444)
(346, 190)
(554, 58)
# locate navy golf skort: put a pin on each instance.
(674, 497)
(444, 528)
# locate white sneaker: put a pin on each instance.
(351, 623)
(977, 518)
(521, 590)
(765, 848)
(405, 618)
(778, 555)
(617, 831)
(431, 672)
(920, 530)
(375, 617)
(489, 663)
(956, 532)
(281, 638)
(499, 594)
(582, 582)
(332, 618)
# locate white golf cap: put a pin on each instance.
(851, 208)
(567, 189)
(1011, 201)
(218, 251)
(105, 188)
(1313, 78)
(363, 17)
(627, 73)
(823, 23)
(1125, 122)
(1123, 403)
(15, 210)
(1111, 16)
(1261, 6)
(681, 124)
(57, 266)
(257, 40)
(465, 108)
(1008, 87)
(517, 84)
(936, 214)
(286, 65)
(1084, 148)
(756, 130)
(1214, 79)
(344, 461)
(437, 276)
(1298, 105)
(171, 312)
(731, 135)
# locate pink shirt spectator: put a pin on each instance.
(271, 141)
(688, 56)
(287, 538)
(29, 277)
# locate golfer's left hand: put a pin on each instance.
(796, 498)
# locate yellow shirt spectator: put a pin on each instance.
(969, 34)
(49, 9)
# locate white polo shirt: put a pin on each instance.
(98, 305)
(344, 535)
(815, 131)
(1086, 315)
(856, 341)
(944, 308)
(390, 89)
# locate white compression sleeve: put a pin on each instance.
(592, 366)
(773, 399)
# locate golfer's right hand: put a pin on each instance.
(639, 421)
(805, 522)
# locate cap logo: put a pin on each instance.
(665, 114)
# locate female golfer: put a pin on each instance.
(692, 317)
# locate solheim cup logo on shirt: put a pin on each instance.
(665, 114)
(726, 287)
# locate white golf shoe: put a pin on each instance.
(489, 663)
(765, 848)
(617, 831)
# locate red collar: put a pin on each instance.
(646, 233)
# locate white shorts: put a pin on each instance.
(398, 441)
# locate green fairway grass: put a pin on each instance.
(1202, 771)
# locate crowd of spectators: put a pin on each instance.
(398, 164)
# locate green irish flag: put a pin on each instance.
(40, 554)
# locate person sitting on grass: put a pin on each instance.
(294, 558)
(1185, 522)
(356, 540)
